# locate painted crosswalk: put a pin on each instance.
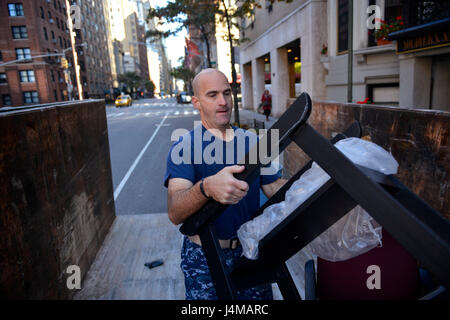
(128, 115)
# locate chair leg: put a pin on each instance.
(287, 286)
(310, 281)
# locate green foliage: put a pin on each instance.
(133, 82)
(387, 28)
(149, 86)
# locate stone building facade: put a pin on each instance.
(416, 78)
(283, 52)
(303, 46)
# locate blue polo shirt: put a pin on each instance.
(192, 159)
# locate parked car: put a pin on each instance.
(183, 97)
(124, 100)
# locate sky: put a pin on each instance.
(174, 44)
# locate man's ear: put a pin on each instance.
(195, 102)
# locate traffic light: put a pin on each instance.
(64, 63)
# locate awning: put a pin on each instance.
(423, 29)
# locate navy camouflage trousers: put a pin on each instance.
(197, 278)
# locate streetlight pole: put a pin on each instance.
(67, 75)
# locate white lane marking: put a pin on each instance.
(119, 114)
(133, 166)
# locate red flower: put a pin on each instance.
(391, 26)
(399, 18)
(401, 23)
(363, 102)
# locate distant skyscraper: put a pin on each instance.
(94, 59)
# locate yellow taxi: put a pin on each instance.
(124, 100)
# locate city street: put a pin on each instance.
(139, 138)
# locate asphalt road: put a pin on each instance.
(139, 140)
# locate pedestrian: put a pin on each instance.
(266, 102)
(191, 184)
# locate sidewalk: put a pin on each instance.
(247, 116)
(118, 272)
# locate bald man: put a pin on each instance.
(191, 184)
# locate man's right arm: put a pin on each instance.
(184, 198)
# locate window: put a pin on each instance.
(23, 53)
(3, 78)
(30, 97)
(392, 10)
(57, 22)
(342, 26)
(19, 32)
(54, 4)
(42, 13)
(6, 100)
(45, 33)
(384, 93)
(1, 57)
(52, 75)
(15, 9)
(60, 42)
(53, 35)
(56, 95)
(49, 15)
(27, 76)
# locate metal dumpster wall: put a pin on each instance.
(418, 139)
(56, 196)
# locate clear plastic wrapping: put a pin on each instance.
(354, 234)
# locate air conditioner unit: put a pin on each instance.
(51, 20)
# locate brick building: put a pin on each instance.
(29, 29)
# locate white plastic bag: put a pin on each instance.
(351, 236)
(354, 234)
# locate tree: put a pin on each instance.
(184, 74)
(186, 14)
(132, 80)
(150, 87)
(203, 13)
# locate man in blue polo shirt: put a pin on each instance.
(200, 166)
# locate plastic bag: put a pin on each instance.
(351, 236)
(354, 234)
